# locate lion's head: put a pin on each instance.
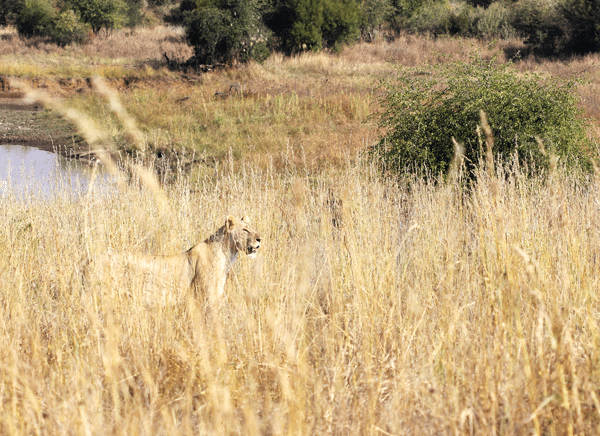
(242, 237)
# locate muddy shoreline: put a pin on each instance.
(29, 124)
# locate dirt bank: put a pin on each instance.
(29, 124)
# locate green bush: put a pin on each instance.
(559, 27)
(40, 18)
(537, 22)
(100, 14)
(341, 21)
(227, 30)
(298, 24)
(463, 19)
(583, 24)
(133, 15)
(439, 17)
(434, 17)
(9, 10)
(373, 13)
(207, 31)
(495, 21)
(402, 11)
(35, 18)
(67, 29)
(424, 108)
(301, 25)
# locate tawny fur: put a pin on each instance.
(201, 270)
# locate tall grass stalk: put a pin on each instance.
(374, 307)
(423, 310)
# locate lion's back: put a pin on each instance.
(159, 280)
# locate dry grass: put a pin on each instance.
(373, 308)
(422, 311)
(118, 54)
(314, 105)
(311, 107)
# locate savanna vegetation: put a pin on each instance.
(373, 308)
(394, 304)
(235, 30)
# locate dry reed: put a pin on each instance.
(373, 309)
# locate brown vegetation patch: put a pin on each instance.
(139, 44)
(311, 106)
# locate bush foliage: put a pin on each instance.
(68, 21)
(440, 17)
(301, 25)
(549, 27)
(41, 18)
(35, 18)
(223, 30)
(9, 10)
(425, 109)
(68, 28)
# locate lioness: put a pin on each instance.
(202, 269)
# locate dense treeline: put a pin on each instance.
(224, 30)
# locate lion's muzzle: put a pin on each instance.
(252, 249)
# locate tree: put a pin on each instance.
(402, 11)
(35, 18)
(341, 20)
(541, 26)
(583, 18)
(373, 13)
(133, 15)
(227, 30)
(100, 14)
(297, 24)
(302, 25)
(67, 28)
(9, 10)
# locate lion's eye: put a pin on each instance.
(246, 230)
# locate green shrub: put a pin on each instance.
(341, 20)
(133, 13)
(434, 17)
(460, 18)
(301, 25)
(582, 24)
(100, 14)
(227, 30)
(374, 13)
(495, 21)
(542, 26)
(67, 29)
(207, 31)
(35, 18)
(402, 11)
(178, 15)
(40, 18)
(463, 18)
(424, 109)
(9, 10)
(559, 27)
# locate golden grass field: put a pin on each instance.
(373, 307)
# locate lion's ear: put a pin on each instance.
(229, 222)
(246, 219)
